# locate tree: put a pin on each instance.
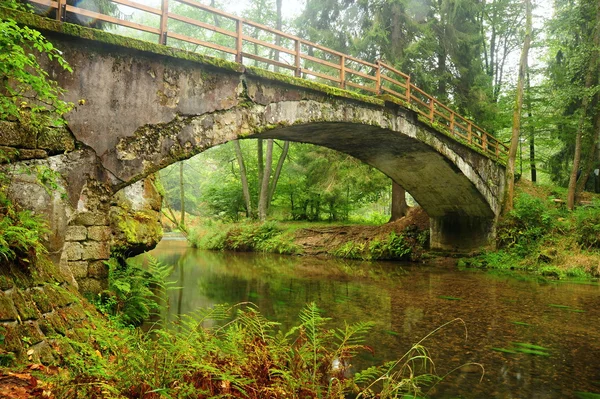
(573, 75)
(516, 127)
(27, 94)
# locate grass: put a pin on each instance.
(542, 237)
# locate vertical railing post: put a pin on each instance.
(469, 132)
(61, 10)
(484, 141)
(408, 89)
(164, 16)
(431, 108)
(343, 72)
(452, 123)
(298, 70)
(378, 78)
(238, 41)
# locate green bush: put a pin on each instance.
(133, 293)
(587, 226)
(241, 355)
(526, 224)
(21, 232)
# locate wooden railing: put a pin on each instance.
(239, 39)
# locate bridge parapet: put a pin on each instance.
(242, 40)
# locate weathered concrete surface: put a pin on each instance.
(144, 110)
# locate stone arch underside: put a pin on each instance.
(455, 185)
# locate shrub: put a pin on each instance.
(587, 226)
(526, 224)
(133, 293)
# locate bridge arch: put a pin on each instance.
(450, 181)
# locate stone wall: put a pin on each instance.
(37, 302)
(87, 221)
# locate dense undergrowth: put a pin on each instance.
(279, 237)
(224, 351)
(541, 236)
(242, 354)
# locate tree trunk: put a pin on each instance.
(532, 163)
(591, 79)
(516, 128)
(263, 199)
(261, 163)
(244, 178)
(282, 157)
(399, 207)
(181, 196)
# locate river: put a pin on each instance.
(503, 315)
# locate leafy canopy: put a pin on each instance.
(26, 90)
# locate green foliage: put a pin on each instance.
(587, 226)
(265, 237)
(28, 93)
(133, 294)
(241, 353)
(394, 246)
(526, 224)
(21, 231)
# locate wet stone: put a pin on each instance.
(73, 250)
(7, 309)
(99, 233)
(12, 339)
(41, 299)
(59, 297)
(96, 250)
(6, 283)
(98, 270)
(30, 333)
(92, 286)
(25, 305)
(76, 233)
(78, 268)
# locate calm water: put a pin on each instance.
(407, 302)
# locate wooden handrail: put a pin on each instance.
(376, 80)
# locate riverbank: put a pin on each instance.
(404, 239)
(539, 236)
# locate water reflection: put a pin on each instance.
(408, 302)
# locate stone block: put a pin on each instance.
(32, 154)
(79, 269)
(12, 338)
(41, 300)
(59, 297)
(76, 233)
(14, 135)
(92, 286)
(55, 322)
(87, 218)
(95, 250)
(25, 305)
(56, 140)
(7, 309)
(98, 270)
(73, 250)
(31, 333)
(6, 283)
(99, 233)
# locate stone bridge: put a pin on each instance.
(141, 107)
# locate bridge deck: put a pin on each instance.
(239, 39)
